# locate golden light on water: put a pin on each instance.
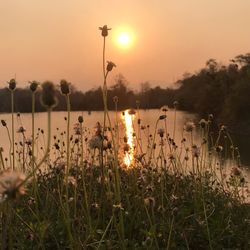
(128, 122)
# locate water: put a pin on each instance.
(126, 123)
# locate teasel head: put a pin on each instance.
(33, 86)
(48, 96)
(65, 89)
(12, 84)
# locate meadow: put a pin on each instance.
(99, 191)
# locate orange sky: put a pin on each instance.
(55, 39)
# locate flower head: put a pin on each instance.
(95, 142)
(195, 151)
(80, 119)
(11, 184)
(12, 84)
(104, 30)
(162, 117)
(110, 66)
(65, 87)
(33, 86)
(164, 108)
(48, 97)
(161, 132)
(203, 123)
(4, 123)
(189, 126)
(21, 129)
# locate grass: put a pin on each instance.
(80, 195)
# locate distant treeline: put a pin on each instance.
(92, 99)
(223, 91)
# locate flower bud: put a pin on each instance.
(80, 119)
(104, 30)
(110, 66)
(65, 87)
(4, 123)
(12, 84)
(33, 86)
(162, 117)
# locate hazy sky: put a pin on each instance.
(55, 39)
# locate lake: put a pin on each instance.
(127, 124)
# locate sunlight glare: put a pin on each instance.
(128, 121)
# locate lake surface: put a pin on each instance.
(126, 123)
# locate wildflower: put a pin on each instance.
(115, 99)
(28, 141)
(210, 117)
(176, 103)
(98, 129)
(12, 84)
(223, 128)
(104, 30)
(21, 130)
(33, 86)
(77, 129)
(171, 156)
(203, 123)
(161, 132)
(48, 97)
(189, 126)
(110, 66)
(65, 87)
(195, 151)
(131, 112)
(149, 201)
(80, 119)
(236, 171)
(95, 142)
(219, 149)
(164, 108)
(11, 184)
(162, 117)
(4, 123)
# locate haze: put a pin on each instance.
(51, 40)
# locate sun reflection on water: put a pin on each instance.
(129, 154)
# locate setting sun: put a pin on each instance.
(124, 39)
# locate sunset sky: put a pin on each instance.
(55, 39)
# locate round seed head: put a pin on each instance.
(33, 86)
(80, 119)
(65, 87)
(48, 97)
(12, 84)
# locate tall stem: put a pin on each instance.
(33, 131)
(68, 135)
(13, 128)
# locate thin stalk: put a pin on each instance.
(68, 135)
(13, 129)
(33, 131)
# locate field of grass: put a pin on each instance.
(78, 193)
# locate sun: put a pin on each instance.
(124, 39)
